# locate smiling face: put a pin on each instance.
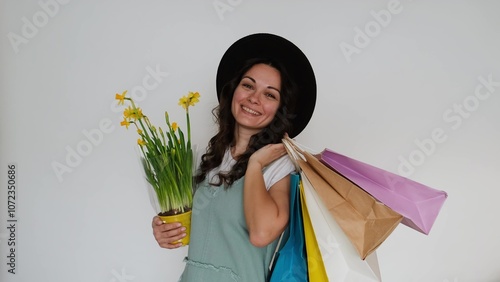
(257, 98)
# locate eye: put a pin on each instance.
(271, 96)
(247, 85)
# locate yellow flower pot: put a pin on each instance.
(185, 220)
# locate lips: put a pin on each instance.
(250, 111)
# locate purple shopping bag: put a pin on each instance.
(417, 203)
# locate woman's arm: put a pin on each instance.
(266, 212)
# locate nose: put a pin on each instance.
(253, 97)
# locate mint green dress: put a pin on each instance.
(220, 248)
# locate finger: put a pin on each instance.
(161, 233)
(169, 226)
(157, 221)
(171, 246)
(279, 149)
(280, 146)
(171, 242)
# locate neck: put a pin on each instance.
(241, 140)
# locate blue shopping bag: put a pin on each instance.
(290, 262)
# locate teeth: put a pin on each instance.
(250, 111)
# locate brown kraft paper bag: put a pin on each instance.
(365, 221)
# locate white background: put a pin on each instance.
(61, 66)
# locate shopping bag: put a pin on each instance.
(290, 261)
(315, 266)
(417, 203)
(366, 222)
(340, 257)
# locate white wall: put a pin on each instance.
(61, 66)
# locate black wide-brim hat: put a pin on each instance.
(264, 45)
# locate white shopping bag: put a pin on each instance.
(341, 260)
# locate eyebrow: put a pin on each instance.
(269, 87)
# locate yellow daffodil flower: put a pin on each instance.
(174, 126)
(184, 102)
(189, 100)
(138, 114)
(194, 97)
(128, 112)
(121, 98)
(139, 131)
(125, 123)
(141, 142)
(131, 113)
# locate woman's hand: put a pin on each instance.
(166, 233)
(267, 154)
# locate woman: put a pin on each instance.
(241, 204)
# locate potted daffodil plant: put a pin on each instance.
(167, 159)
